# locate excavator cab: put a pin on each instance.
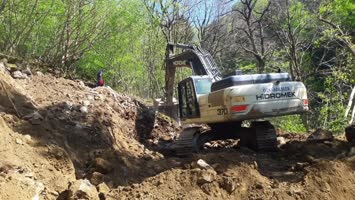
(189, 90)
(205, 72)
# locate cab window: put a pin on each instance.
(203, 86)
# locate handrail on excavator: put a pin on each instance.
(206, 65)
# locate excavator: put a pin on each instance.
(224, 102)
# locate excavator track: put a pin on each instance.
(183, 145)
(261, 136)
(265, 136)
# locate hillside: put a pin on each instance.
(60, 139)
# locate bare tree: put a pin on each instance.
(152, 60)
(290, 29)
(18, 27)
(82, 27)
(211, 22)
(173, 19)
(250, 31)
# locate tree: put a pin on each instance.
(18, 19)
(59, 32)
(83, 25)
(130, 53)
(170, 15)
(336, 25)
(338, 16)
(209, 18)
(292, 25)
(251, 30)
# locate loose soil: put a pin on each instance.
(97, 134)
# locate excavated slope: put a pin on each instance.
(55, 133)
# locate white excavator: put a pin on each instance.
(223, 103)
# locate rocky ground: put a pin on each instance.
(60, 139)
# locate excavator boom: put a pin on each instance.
(194, 57)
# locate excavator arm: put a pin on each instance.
(194, 57)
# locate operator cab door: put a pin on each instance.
(188, 105)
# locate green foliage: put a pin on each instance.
(290, 124)
(340, 11)
(129, 54)
(73, 36)
(247, 67)
(337, 20)
(278, 61)
(302, 21)
(331, 114)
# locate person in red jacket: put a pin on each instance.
(100, 78)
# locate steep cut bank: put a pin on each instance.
(63, 131)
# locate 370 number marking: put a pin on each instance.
(222, 111)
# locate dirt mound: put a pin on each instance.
(246, 175)
(99, 123)
(73, 137)
(73, 125)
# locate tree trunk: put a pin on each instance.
(261, 64)
(348, 108)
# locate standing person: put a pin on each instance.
(100, 78)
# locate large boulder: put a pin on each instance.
(281, 141)
(350, 134)
(206, 176)
(82, 189)
(96, 178)
(228, 184)
(203, 164)
(19, 75)
(103, 189)
(11, 67)
(103, 166)
(321, 135)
